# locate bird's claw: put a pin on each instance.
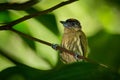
(76, 56)
(54, 46)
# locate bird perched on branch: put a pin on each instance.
(74, 40)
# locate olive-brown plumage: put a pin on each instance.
(74, 40)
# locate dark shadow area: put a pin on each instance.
(76, 71)
(18, 6)
(105, 48)
(115, 3)
(48, 20)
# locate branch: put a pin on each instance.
(11, 24)
(57, 47)
(18, 6)
(48, 44)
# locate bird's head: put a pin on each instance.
(71, 23)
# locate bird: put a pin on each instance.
(73, 39)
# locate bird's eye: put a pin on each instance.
(72, 23)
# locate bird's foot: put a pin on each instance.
(76, 56)
(54, 46)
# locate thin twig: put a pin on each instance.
(30, 37)
(11, 24)
(18, 6)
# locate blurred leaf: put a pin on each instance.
(4, 17)
(30, 43)
(36, 29)
(5, 63)
(104, 47)
(41, 60)
(114, 3)
(48, 20)
(18, 6)
(20, 52)
(76, 71)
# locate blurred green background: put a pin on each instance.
(23, 59)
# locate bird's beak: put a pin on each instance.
(64, 23)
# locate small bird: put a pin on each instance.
(74, 40)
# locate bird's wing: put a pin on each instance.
(83, 42)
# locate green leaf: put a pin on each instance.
(48, 20)
(105, 49)
(76, 71)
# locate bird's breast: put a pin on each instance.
(69, 40)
